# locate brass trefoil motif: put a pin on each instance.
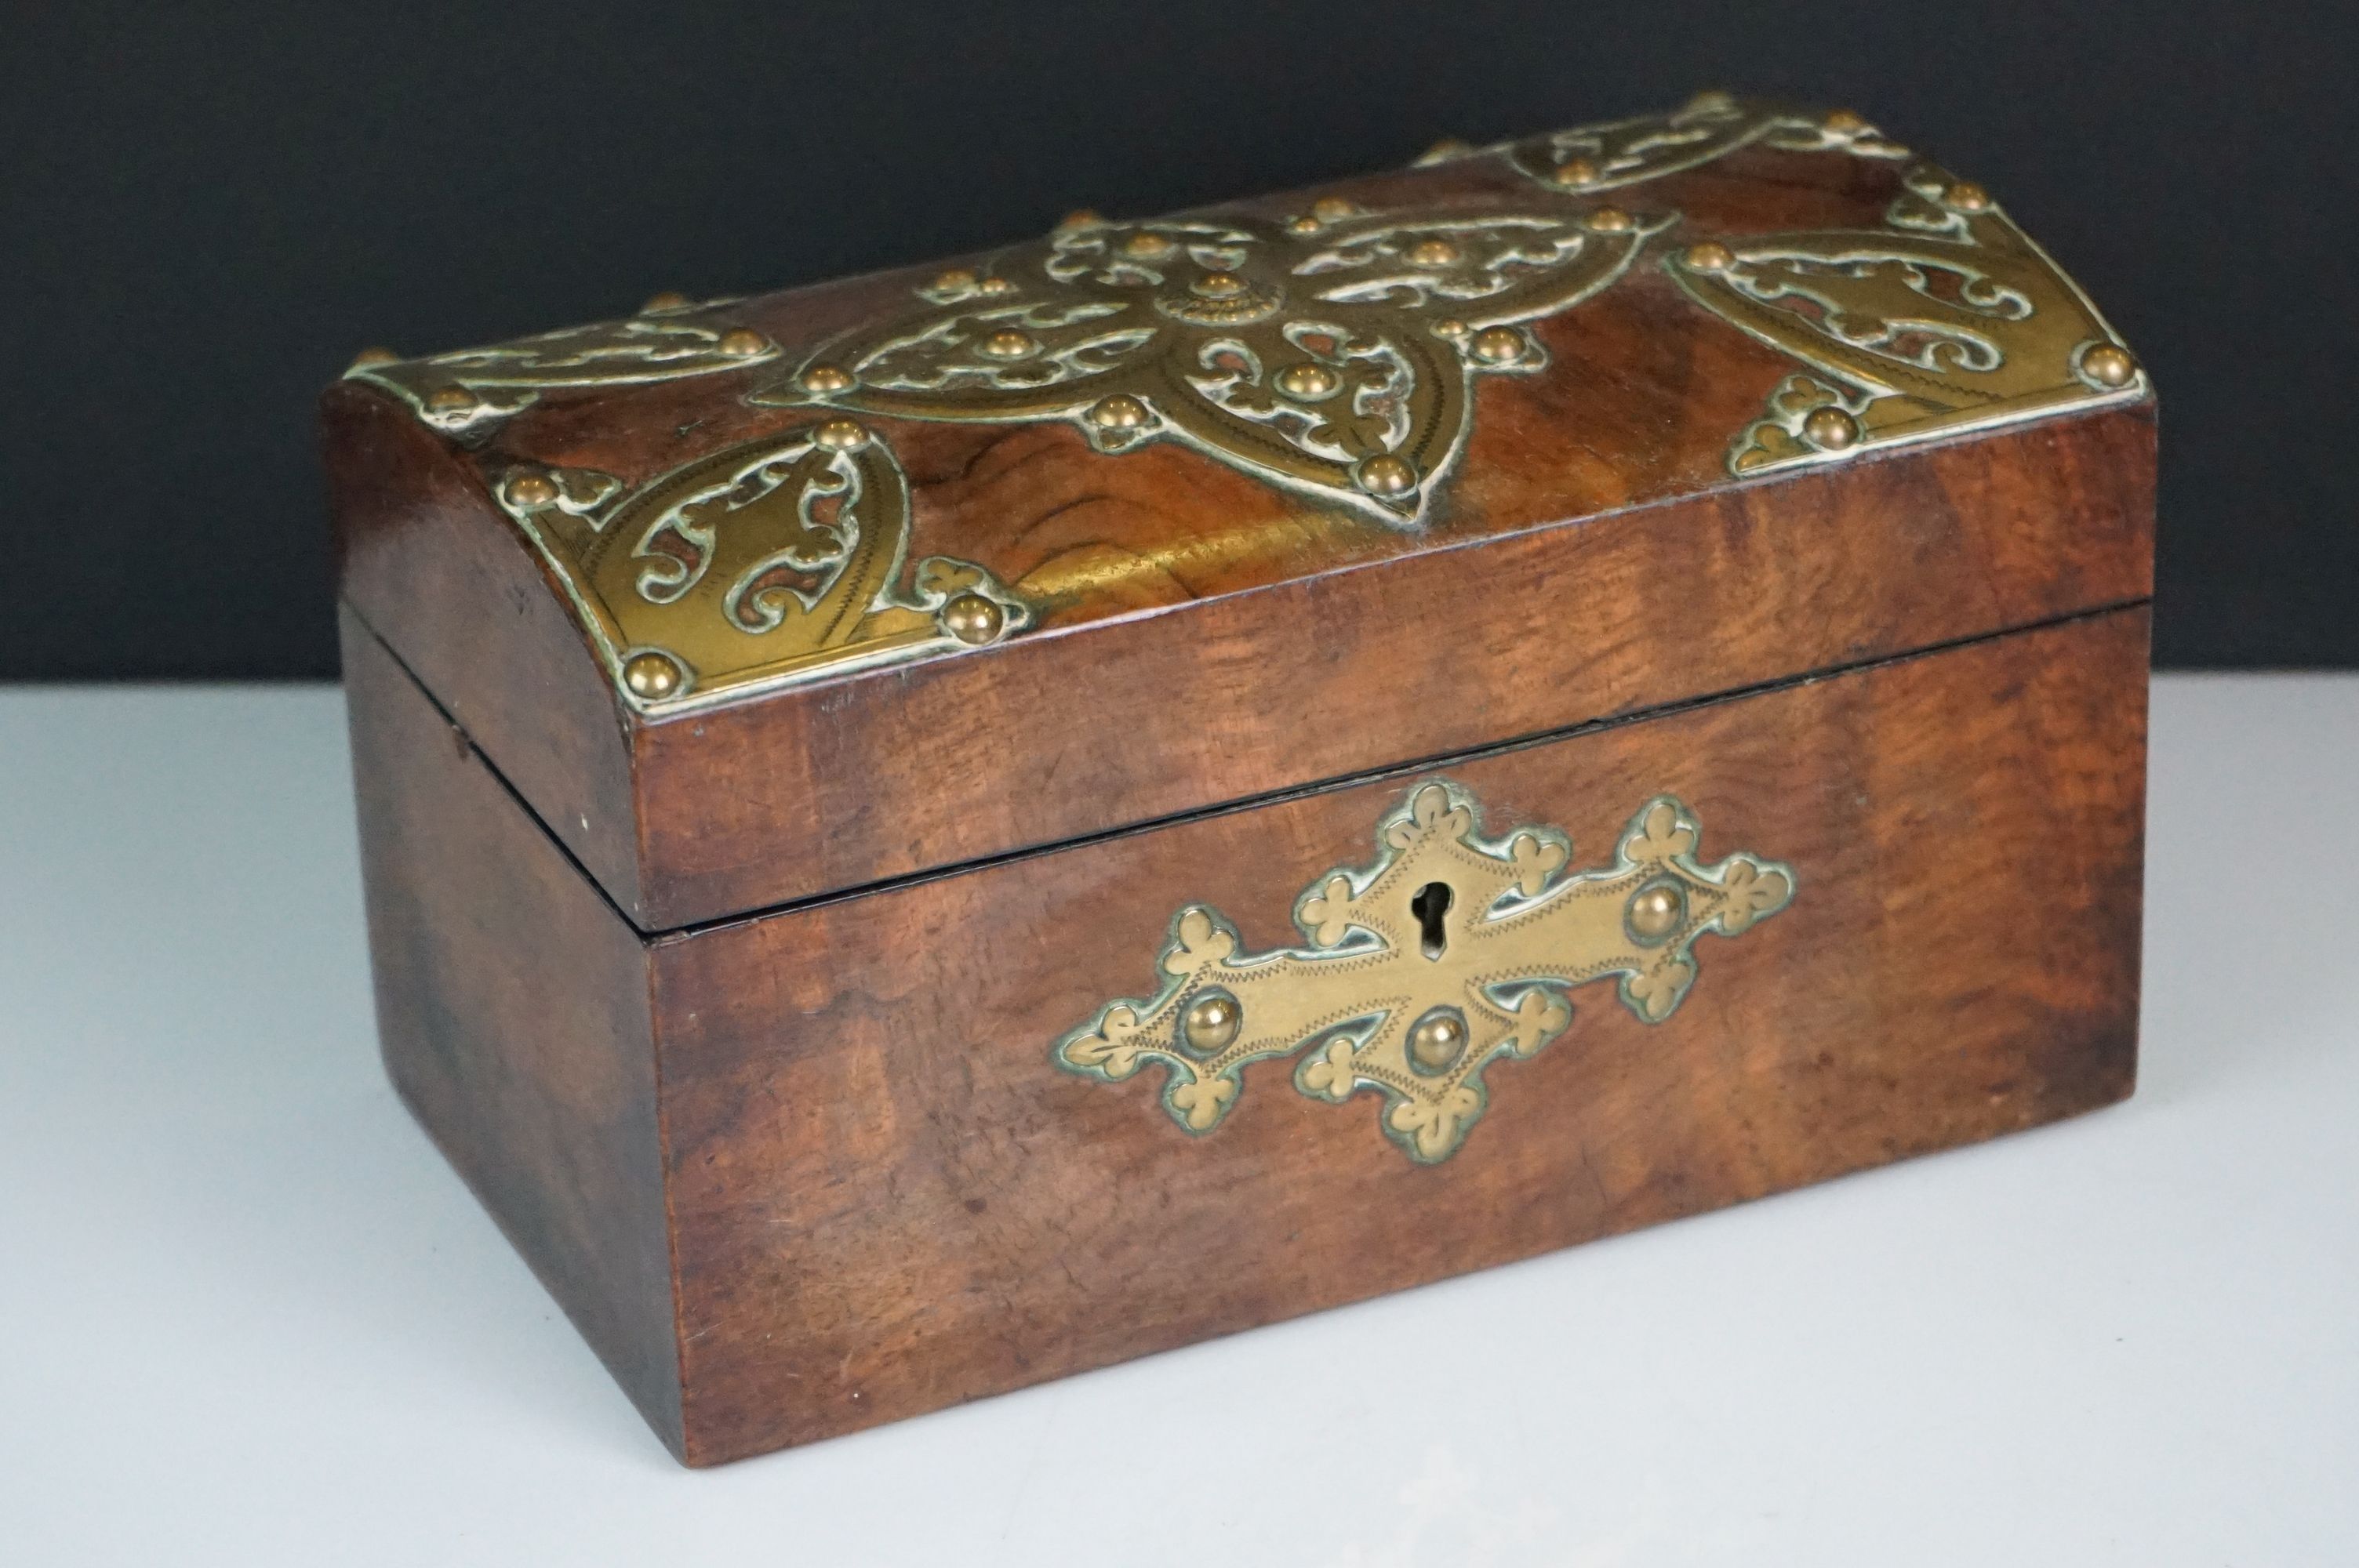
(1333, 352)
(1451, 951)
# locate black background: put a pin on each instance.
(207, 209)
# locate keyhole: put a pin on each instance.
(1431, 903)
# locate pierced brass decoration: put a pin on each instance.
(1713, 124)
(1951, 319)
(1333, 352)
(1451, 951)
(769, 562)
(465, 392)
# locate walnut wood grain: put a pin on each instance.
(512, 1007)
(886, 1199)
(1207, 637)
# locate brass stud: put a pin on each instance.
(1437, 1042)
(995, 286)
(1147, 245)
(528, 491)
(1333, 210)
(1210, 1024)
(1081, 217)
(1434, 252)
(374, 356)
(1302, 225)
(450, 400)
(1656, 911)
(1386, 474)
(1120, 412)
(1967, 197)
(1831, 429)
(1610, 220)
(840, 434)
(953, 280)
(1498, 345)
(742, 342)
(1711, 101)
(1575, 171)
(1710, 257)
(825, 379)
(2108, 366)
(1449, 327)
(971, 618)
(1843, 123)
(1445, 149)
(1307, 382)
(651, 676)
(670, 299)
(1009, 344)
(1219, 285)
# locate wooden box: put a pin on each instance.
(939, 830)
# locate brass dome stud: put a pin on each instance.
(1831, 429)
(1147, 245)
(1967, 197)
(1435, 252)
(995, 286)
(651, 676)
(953, 280)
(825, 379)
(1218, 286)
(1574, 171)
(374, 356)
(668, 299)
(1445, 149)
(1710, 257)
(1711, 101)
(450, 400)
(1610, 220)
(1656, 911)
(1308, 383)
(1333, 210)
(1498, 345)
(1119, 412)
(1449, 327)
(1386, 474)
(1302, 225)
(1210, 1024)
(530, 492)
(840, 434)
(1843, 123)
(1081, 217)
(2108, 366)
(742, 342)
(971, 618)
(1009, 344)
(1437, 1042)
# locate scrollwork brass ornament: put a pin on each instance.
(767, 562)
(467, 391)
(1950, 320)
(1449, 953)
(1333, 352)
(1591, 158)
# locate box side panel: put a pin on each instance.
(432, 567)
(1056, 737)
(889, 1199)
(512, 1002)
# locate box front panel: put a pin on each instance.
(915, 1159)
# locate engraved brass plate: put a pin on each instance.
(768, 562)
(1450, 952)
(1950, 320)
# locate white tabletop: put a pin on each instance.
(248, 1316)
